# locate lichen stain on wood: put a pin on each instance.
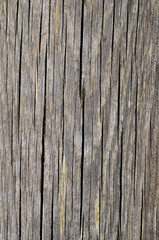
(63, 197)
(56, 20)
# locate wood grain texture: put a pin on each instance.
(79, 119)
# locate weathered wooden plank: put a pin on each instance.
(79, 119)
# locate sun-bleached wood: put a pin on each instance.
(79, 119)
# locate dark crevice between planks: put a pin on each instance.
(43, 148)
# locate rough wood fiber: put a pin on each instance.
(79, 115)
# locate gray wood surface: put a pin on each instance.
(79, 119)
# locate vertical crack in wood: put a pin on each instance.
(131, 74)
(97, 213)
(127, 27)
(43, 149)
(73, 156)
(40, 32)
(63, 199)
(137, 26)
(64, 81)
(82, 229)
(113, 31)
(36, 91)
(58, 173)
(118, 123)
(12, 127)
(63, 15)
(121, 145)
(20, 204)
(6, 17)
(141, 224)
(81, 49)
(52, 211)
(65, 209)
(7, 77)
(20, 72)
(17, 15)
(119, 99)
(64, 174)
(100, 83)
(7, 223)
(89, 224)
(100, 211)
(121, 170)
(74, 20)
(49, 23)
(28, 15)
(150, 134)
(82, 157)
(102, 154)
(101, 39)
(136, 126)
(82, 98)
